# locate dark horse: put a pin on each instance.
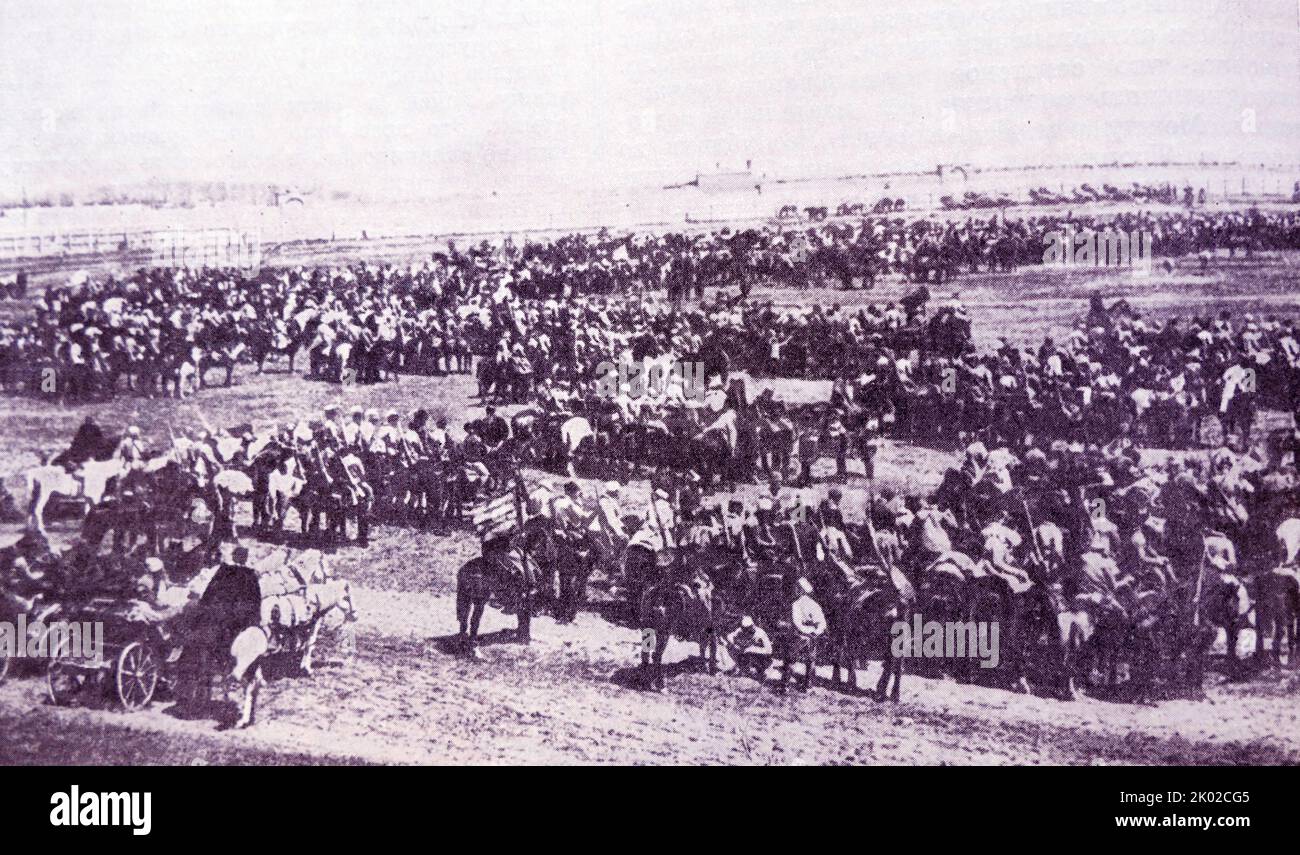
(862, 617)
(571, 562)
(688, 611)
(508, 569)
(279, 339)
(231, 602)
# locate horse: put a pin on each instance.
(128, 516)
(715, 359)
(1101, 644)
(223, 355)
(992, 602)
(948, 334)
(374, 355)
(502, 380)
(45, 482)
(1237, 408)
(688, 611)
(329, 358)
(943, 592)
(1157, 634)
(353, 496)
(414, 490)
(284, 486)
(1226, 603)
(1279, 605)
(861, 622)
(641, 566)
(507, 569)
(279, 340)
(254, 645)
(314, 500)
(570, 562)
(710, 456)
(267, 458)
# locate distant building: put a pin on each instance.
(727, 182)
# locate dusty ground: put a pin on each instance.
(572, 696)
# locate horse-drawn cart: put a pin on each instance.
(140, 649)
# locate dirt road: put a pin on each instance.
(574, 696)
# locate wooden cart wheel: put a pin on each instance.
(137, 675)
(65, 679)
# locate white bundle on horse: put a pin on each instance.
(311, 566)
(574, 431)
(179, 596)
(234, 481)
(228, 447)
(272, 560)
(283, 589)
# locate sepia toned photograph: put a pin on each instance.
(604, 383)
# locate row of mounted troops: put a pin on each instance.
(331, 471)
(329, 468)
(165, 330)
(1205, 513)
(161, 332)
(1101, 574)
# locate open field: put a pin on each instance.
(571, 697)
(322, 216)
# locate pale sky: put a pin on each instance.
(446, 96)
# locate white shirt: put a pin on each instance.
(567, 514)
(999, 541)
(934, 537)
(385, 440)
(608, 519)
(809, 620)
(1288, 536)
(657, 532)
(836, 544)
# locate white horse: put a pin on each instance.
(88, 486)
(279, 632)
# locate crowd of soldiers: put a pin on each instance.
(1081, 527)
(1116, 377)
(163, 331)
(1065, 535)
(1052, 497)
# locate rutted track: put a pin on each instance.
(573, 697)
